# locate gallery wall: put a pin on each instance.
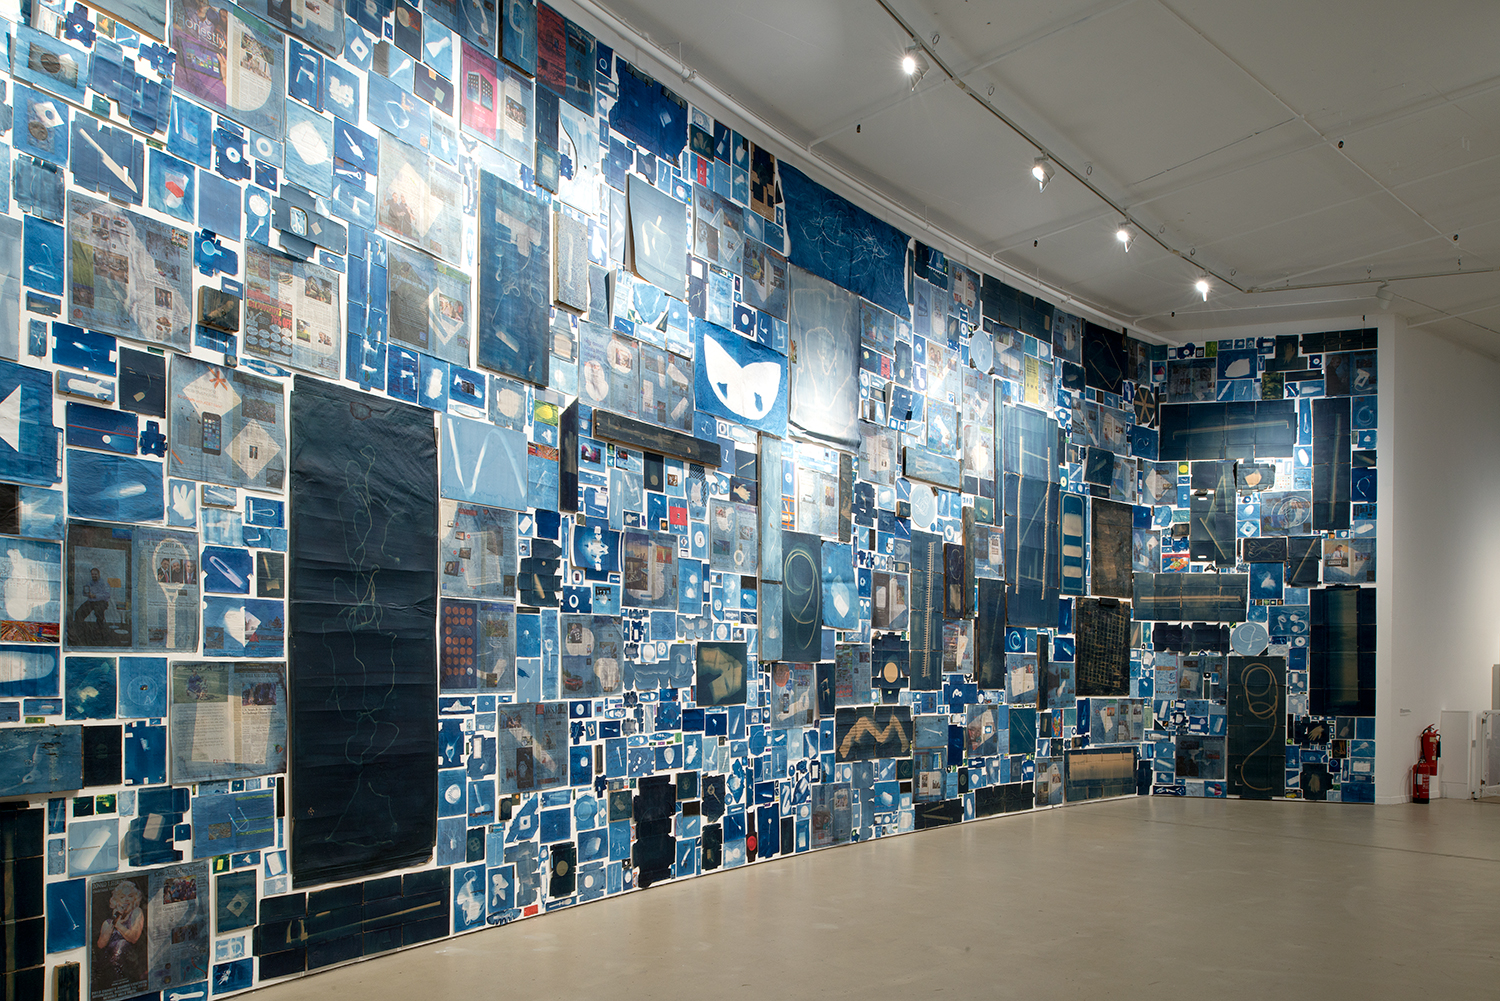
(1443, 587)
(446, 476)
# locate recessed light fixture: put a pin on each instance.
(1126, 235)
(1202, 286)
(1042, 170)
(914, 64)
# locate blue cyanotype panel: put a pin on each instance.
(518, 34)
(12, 265)
(475, 20)
(649, 114)
(227, 571)
(107, 430)
(28, 439)
(114, 487)
(41, 125)
(43, 253)
(219, 209)
(243, 627)
(53, 64)
(172, 186)
(89, 688)
(837, 240)
(658, 236)
(825, 359)
(341, 91)
(514, 277)
(28, 671)
(840, 589)
(189, 135)
(143, 687)
(233, 822)
(108, 161)
(309, 150)
(483, 463)
(36, 760)
(93, 847)
(740, 380)
(67, 921)
(30, 595)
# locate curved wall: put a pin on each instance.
(441, 488)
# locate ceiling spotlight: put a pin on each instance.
(1384, 294)
(914, 64)
(1202, 286)
(1042, 170)
(1126, 235)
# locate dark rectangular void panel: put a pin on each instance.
(1257, 727)
(363, 636)
(1209, 431)
(1341, 658)
(1330, 464)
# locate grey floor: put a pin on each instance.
(1137, 898)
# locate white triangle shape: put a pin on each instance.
(10, 420)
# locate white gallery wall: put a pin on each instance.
(1439, 543)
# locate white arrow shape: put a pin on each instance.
(109, 163)
(354, 145)
(10, 419)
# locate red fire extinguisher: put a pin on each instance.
(1425, 770)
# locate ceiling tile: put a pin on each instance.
(1117, 88)
(1338, 63)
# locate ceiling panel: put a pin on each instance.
(977, 33)
(1444, 138)
(1430, 257)
(1458, 201)
(1304, 183)
(1198, 321)
(943, 150)
(1100, 272)
(1318, 240)
(1290, 138)
(1119, 82)
(1337, 63)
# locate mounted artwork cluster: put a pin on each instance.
(448, 477)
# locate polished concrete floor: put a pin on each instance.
(1137, 898)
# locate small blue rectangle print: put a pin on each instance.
(243, 628)
(74, 347)
(96, 427)
(264, 511)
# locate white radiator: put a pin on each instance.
(1489, 753)
(1455, 765)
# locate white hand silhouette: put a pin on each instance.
(182, 501)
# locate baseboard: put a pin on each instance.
(1392, 800)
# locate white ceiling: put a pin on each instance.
(1214, 124)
